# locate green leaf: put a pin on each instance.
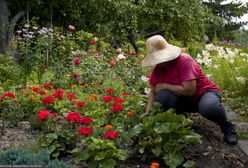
(107, 163)
(193, 138)
(162, 128)
(189, 164)
(100, 156)
(142, 149)
(138, 128)
(173, 159)
(81, 156)
(157, 150)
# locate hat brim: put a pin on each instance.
(170, 53)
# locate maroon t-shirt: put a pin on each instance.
(182, 69)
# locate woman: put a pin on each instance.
(178, 82)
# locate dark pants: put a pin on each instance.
(209, 106)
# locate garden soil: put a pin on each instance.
(212, 153)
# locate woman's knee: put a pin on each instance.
(167, 98)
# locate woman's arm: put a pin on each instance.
(150, 101)
(188, 88)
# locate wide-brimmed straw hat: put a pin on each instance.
(158, 51)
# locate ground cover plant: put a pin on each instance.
(85, 99)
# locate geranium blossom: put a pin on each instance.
(86, 120)
(81, 104)
(124, 94)
(75, 75)
(47, 100)
(85, 131)
(77, 61)
(73, 117)
(110, 90)
(93, 41)
(43, 114)
(110, 135)
(112, 63)
(118, 100)
(58, 94)
(107, 98)
(71, 96)
(117, 107)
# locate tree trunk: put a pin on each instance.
(3, 25)
(131, 38)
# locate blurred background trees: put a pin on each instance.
(126, 20)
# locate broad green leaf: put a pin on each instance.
(173, 160)
(81, 156)
(189, 164)
(107, 163)
(157, 150)
(100, 156)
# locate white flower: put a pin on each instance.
(241, 79)
(121, 56)
(216, 66)
(209, 76)
(210, 47)
(231, 61)
(118, 50)
(144, 78)
(147, 91)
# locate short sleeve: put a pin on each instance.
(188, 70)
(153, 79)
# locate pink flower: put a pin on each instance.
(70, 27)
(112, 63)
(77, 61)
(110, 134)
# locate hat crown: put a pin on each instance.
(156, 43)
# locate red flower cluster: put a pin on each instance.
(92, 41)
(6, 95)
(112, 63)
(75, 75)
(71, 96)
(75, 117)
(47, 85)
(77, 61)
(47, 100)
(110, 135)
(58, 94)
(117, 107)
(44, 114)
(81, 104)
(107, 99)
(85, 131)
(38, 90)
(110, 90)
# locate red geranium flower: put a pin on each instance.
(77, 61)
(81, 104)
(71, 96)
(124, 94)
(85, 131)
(47, 100)
(9, 94)
(58, 94)
(110, 90)
(110, 134)
(92, 41)
(112, 63)
(73, 117)
(47, 85)
(43, 114)
(107, 98)
(117, 107)
(118, 100)
(42, 92)
(86, 120)
(75, 75)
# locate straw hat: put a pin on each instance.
(158, 51)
